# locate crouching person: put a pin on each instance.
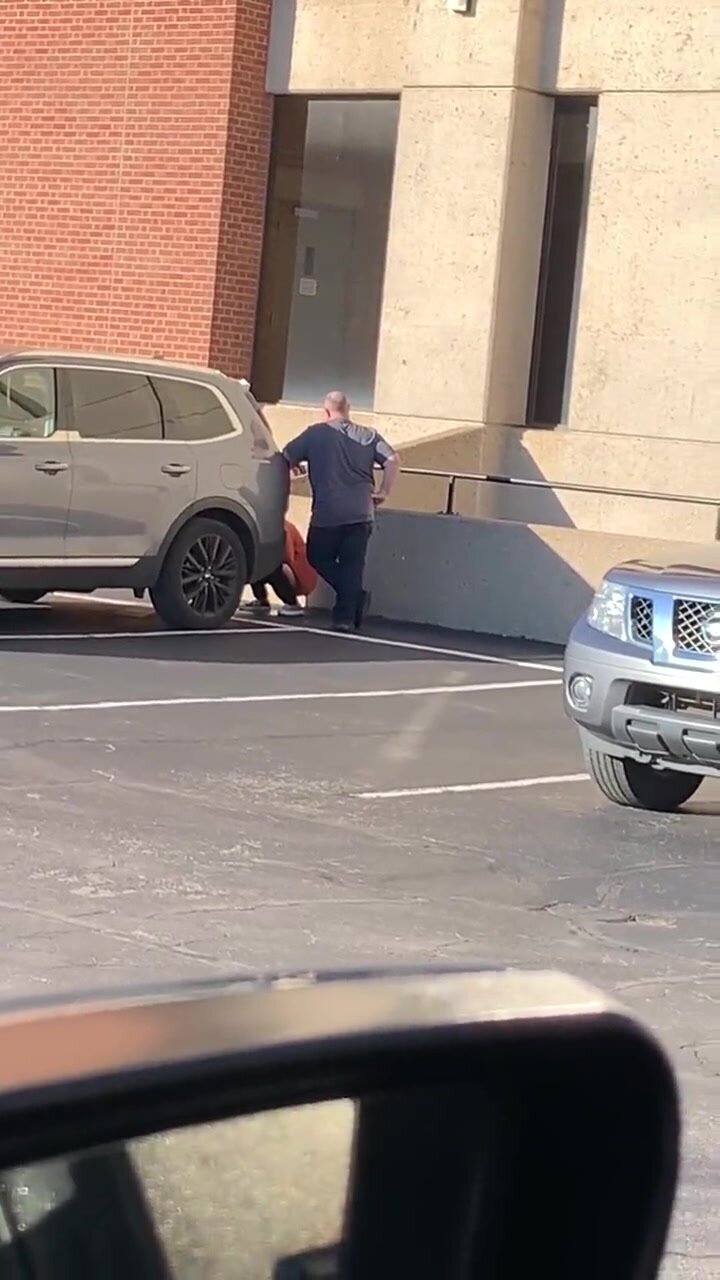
(294, 578)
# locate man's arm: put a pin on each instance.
(295, 453)
(389, 460)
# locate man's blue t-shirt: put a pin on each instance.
(340, 457)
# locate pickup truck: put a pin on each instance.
(642, 681)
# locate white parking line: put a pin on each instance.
(514, 784)
(72, 597)
(467, 654)
(79, 598)
(236, 699)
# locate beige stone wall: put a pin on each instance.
(465, 235)
(466, 52)
(640, 463)
(660, 46)
(339, 46)
(626, 462)
(648, 355)
(443, 250)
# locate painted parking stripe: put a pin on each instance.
(105, 602)
(466, 654)
(76, 597)
(341, 635)
(460, 788)
(326, 695)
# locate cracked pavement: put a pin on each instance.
(153, 842)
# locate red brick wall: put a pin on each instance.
(130, 217)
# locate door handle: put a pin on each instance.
(51, 468)
(175, 469)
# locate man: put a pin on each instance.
(341, 457)
(294, 577)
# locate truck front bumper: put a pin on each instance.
(666, 715)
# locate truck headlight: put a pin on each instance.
(608, 611)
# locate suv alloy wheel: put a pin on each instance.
(203, 577)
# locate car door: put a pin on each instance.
(35, 467)
(195, 413)
(129, 483)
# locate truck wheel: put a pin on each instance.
(203, 577)
(639, 786)
(22, 597)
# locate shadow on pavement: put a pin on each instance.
(103, 631)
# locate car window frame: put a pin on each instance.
(6, 370)
(63, 396)
(237, 427)
(64, 380)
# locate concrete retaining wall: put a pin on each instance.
(495, 576)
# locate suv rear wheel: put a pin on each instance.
(640, 786)
(203, 577)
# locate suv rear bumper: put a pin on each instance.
(268, 556)
(667, 715)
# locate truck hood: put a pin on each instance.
(697, 572)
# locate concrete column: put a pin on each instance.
(463, 253)
(647, 352)
(466, 224)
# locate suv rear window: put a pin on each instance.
(191, 411)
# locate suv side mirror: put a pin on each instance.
(493, 1125)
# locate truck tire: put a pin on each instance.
(22, 597)
(639, 786)
(203, 577)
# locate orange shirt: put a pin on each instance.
(296, 559)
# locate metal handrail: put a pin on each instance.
(452, 478)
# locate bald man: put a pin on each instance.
(341, 457)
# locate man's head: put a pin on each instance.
(336, 406)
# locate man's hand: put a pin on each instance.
(391, 471)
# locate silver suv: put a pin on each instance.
(135, 473)
(642, 681)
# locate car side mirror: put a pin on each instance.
(452, 1125)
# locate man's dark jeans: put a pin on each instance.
(338, 554)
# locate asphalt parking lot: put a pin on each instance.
(275, 796)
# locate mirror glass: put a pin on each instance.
(252, 1198)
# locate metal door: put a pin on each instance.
(316, 353)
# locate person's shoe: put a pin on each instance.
(362, 609)
(254, 606)
(344, 628)
(290, 611)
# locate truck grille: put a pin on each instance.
(680, 700)
(641, 619)
(688, 619)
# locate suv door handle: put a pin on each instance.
(50, 467)
(175, 469)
